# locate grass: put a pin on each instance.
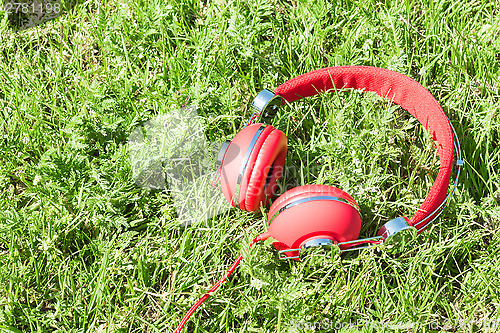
(83, 249)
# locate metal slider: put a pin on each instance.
(329, 245)
(397, 233)
(264, 106)
(363, 243)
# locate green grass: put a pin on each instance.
(83, 249)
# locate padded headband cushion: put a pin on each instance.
(402, 90)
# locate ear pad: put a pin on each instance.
(313, 211)
(253, 163)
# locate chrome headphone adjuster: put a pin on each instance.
(397, 233)
(265, 106)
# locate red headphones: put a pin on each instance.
(312, 216)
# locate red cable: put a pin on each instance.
(216, 286)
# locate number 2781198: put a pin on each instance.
(39, 7)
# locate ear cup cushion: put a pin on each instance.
(234, 158)
(264, 168)
(304, 192)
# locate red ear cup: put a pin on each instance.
(313, 211)
(253, 163)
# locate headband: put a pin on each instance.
(403, 91)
